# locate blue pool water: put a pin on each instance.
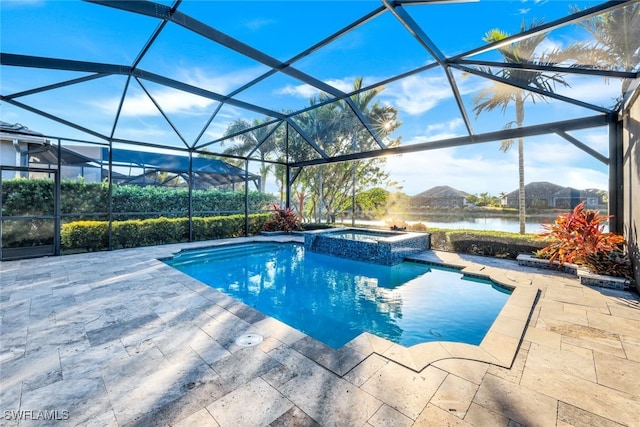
(334, 299)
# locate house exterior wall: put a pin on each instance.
(537, 196)
(534, 198)
(631, 182)
(8, 154)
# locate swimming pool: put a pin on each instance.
(335, 299)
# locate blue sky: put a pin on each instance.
(378, 49)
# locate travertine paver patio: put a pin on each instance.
(119, 338)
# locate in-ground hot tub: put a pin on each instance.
(380, 247)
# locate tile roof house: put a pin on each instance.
(441, 196)
(569, 198)
(549, 195)
(16, 141)
(537, 195)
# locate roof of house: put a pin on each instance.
(568, 191)
(17, 128)
(539, 187)
(442, 191)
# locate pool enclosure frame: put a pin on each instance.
(611, 118)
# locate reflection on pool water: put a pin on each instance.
(334, 299)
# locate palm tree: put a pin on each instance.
(382, 118)
(336, 129)
(250, 140)
(502, 95)
(617, 36)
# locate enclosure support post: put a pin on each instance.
(190, 196)
(288, 171)
(288, 188)
(57, 222)
(353, 189)
(615, 177)
(246, 197)
(110, 176)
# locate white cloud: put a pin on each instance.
(258, 24)
(595, 91)
(547, 46)
(144, 133)
(438, 131)
(575, 177)
(550, 152)
(218, 81)
(138, 104)
(598, 140)
(417, 94)
(307, 91)
(223, 119)
(301, 91)
(171, 102)
(418, 172)
(483, 168)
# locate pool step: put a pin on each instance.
(221, 252)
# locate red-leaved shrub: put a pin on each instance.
(578, 237)
(282, 220)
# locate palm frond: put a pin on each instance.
(617, 37)
(506, 145)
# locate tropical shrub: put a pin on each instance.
(127, 234)
(615, 263)
(282, 220)
(227, 226)
(88, 235)
(578, 237)
(489, 243)
(93, 235)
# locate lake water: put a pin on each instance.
(494, 224)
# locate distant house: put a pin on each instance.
(549, 195)
(22, 148)
(441, 196)
(16, 142)
(537, 195)
(569, 198)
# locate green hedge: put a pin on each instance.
(79, 200)
(35, 197)
(89, 235)
(487, 243)
(27, 197)
(93, 235)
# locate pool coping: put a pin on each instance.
(499, 346)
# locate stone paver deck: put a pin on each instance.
(121, 339)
